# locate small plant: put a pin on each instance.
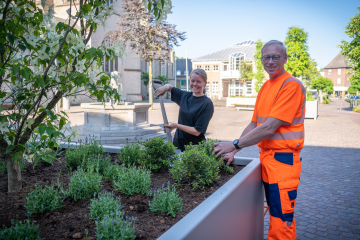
(133, 180)
(115, 228)
(111, 171)
(158, 153)
(98, 162)
(19, 230)
(47, 198)
(196, 168)
(75, 156)
(166, 200)
(309, 96)
(84, 184)
(130, 154)
(105, 205)
(356, 109)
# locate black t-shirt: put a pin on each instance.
(194, 112)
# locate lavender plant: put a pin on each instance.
(111, 170)
(47, 198)
(79, 155)
(166, 200)
(133, 180)
(84, 184)
(19, 230)
(98, 162)
(115, 228)
(104, 205)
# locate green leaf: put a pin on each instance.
(42, 128)
(44, 137)
(15, 69)
(50, 130)
(10, 148)
(21, 148)
(2, 94)
(62, 122)
(16, 156)
(51, 114)
(40, 81)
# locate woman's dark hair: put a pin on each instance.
(201, 73)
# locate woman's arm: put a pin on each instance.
(190, 130)
(163, 89)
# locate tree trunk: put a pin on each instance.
(150, 85)
(321, 96)
(14, 175)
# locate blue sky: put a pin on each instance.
(212, 25)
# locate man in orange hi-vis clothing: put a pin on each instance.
(277, 126)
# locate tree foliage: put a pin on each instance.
(324, 84)
(259, 75)
(299, 62)
(146, 37)
(246, 70)
(41, 62)
(352, 51)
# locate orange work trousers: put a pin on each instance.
(281, 174)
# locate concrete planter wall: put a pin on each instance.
(312, 108)
(233, 100)
(234, 212)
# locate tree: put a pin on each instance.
(322, 85)
(246, 70)
(299, 62)
(352, 51)
(146, 38)
(41, 62)
(259, 75)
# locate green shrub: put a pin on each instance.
(98, 162)
(356, 109)
(115, 228)
(47, 198)
(196, 168)
(309, 96)
(105, 205)
(84, 184)
(20, 231)
(208, 147)
(111, 171)
(3, 167)
(157, 154)
(76, 155)
(133, 180)
(166, 200)
(130, 154)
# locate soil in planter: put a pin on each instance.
(71, 221)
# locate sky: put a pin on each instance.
(212, 25)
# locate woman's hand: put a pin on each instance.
(170, 126)
(162, 90)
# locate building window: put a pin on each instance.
(207, 88)
(216, 68)
(248, 88)
(329, 72)
(183, 82)
(339, 71)
(215, 88)
(186, 73)
(338, 80)
(207, 68)
(178, 72)
(109, 66)
(198, 66)
(225, 67)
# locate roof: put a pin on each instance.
(246, 47)
(181, 65)
(339, 62)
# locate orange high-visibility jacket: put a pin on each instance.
(283, 98)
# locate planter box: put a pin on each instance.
(230, 101)
(234, 211)
(312, 108)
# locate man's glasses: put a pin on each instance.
(275, 58)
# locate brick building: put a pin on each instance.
(336, 71)
(222, 68)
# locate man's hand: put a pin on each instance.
(223, 147)
(229, 157)
(170, 126)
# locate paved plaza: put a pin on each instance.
(328, 202)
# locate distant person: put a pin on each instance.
(195, 113)
(277, 127)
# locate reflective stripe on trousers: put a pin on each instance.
(281, 174)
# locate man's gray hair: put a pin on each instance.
(275, 42)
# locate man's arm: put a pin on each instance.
(254, 136)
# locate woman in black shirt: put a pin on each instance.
(196, 110)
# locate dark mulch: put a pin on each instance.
(74, 216)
